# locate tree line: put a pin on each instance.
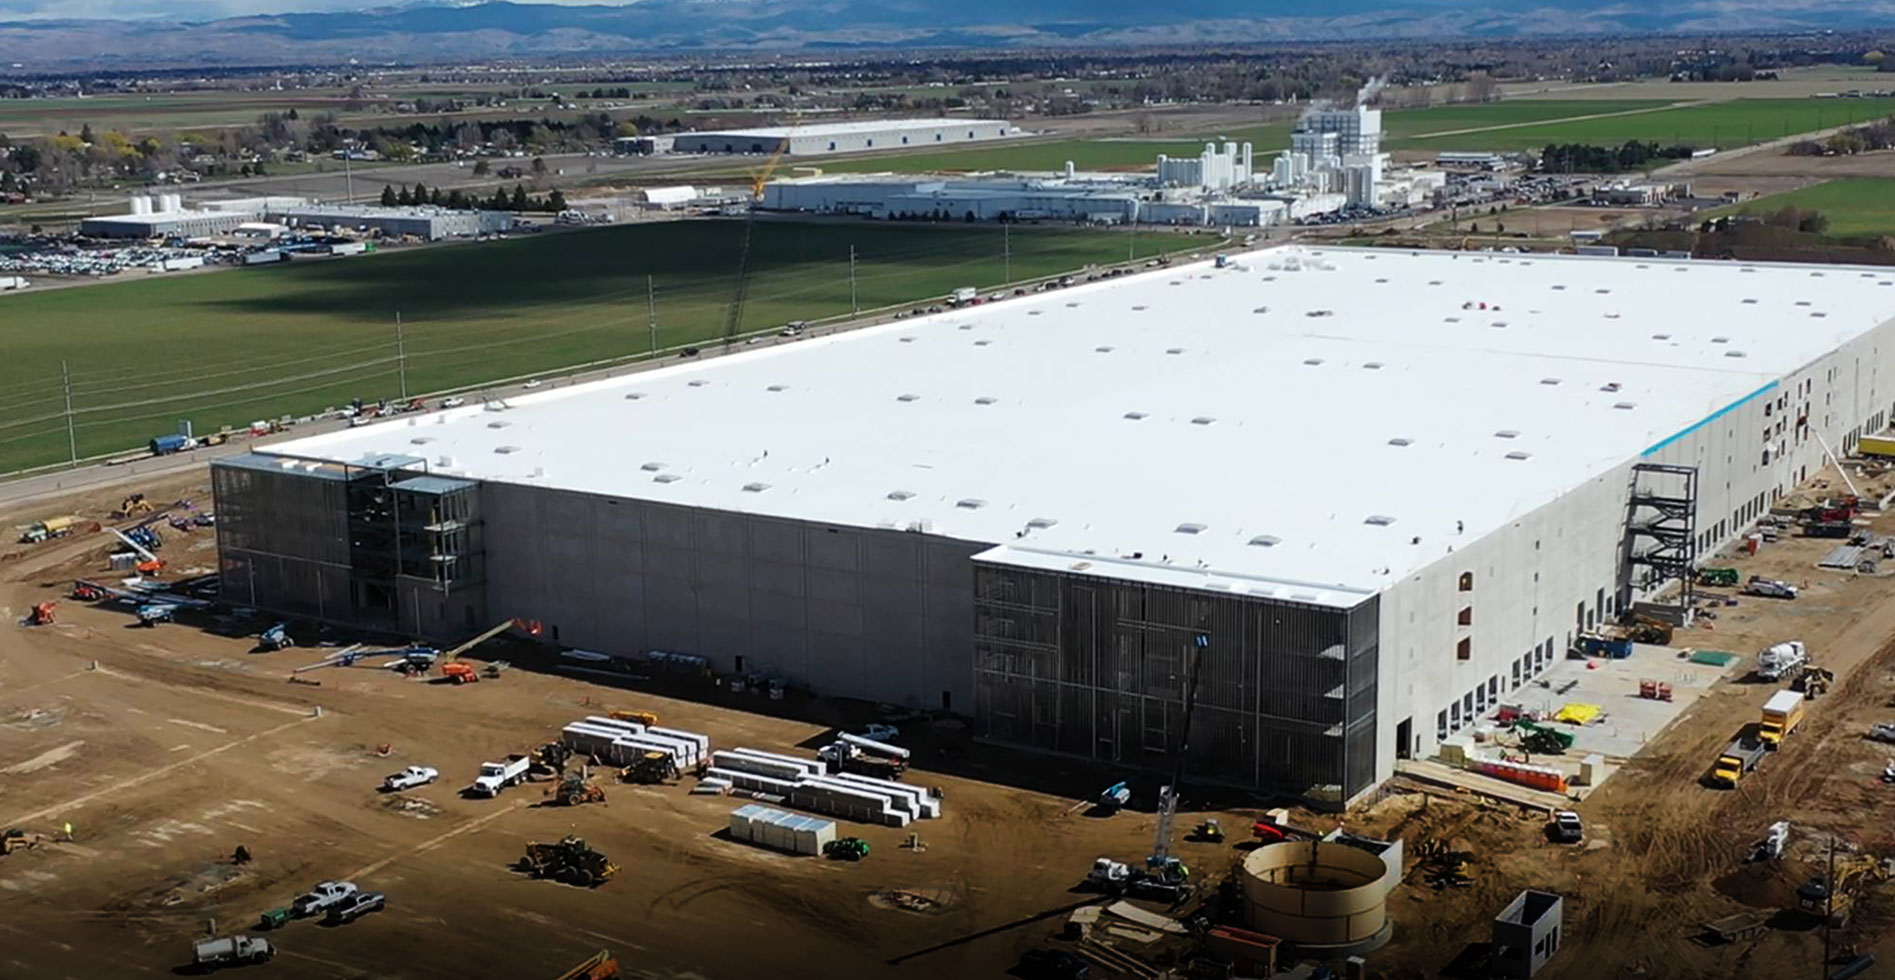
(456, 199)
(1568, 158)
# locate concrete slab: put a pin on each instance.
(1629, 722)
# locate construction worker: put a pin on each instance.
(242, 856)
(65, 833)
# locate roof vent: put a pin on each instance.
(421, 440)
(1434, 282)
(970, 503)
(1507, 434)
(652, 467)
(756, 487)
(1266, 541)
(1610, 386)
(900, 494)
(1033, 313)
(1816, 275)
(1802, 302)
(1750, 301)
(1379, 520)
(1312, 361)
(1139, 308)
(632, 396)
(1720, 340)
(1174, 350)
(982, 343)
(1107, 349)
(1401, 441)
(1818, 314)
(985, 400)
(699, 383)
(1042, 522)
(1452, 319)
(1625, 406)
(779, 387)
(1661, 336)
(1134, 416)
(1189, 528)
(1733, 353)
(1549, 381)
(1498, 324)
(1381, 280)
(1261, 309)
(1602, 292)
(907, 397)
(504, 450)
(1072, 305)
(666, 478)
(907, 340)
(1203, 420)
(1373, 366)
(1517, 454)
(1559, 287)
(498, 424)
(967, 326)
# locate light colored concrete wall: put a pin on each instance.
(866, 613)
(1542, 577)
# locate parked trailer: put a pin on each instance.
(13, 282)
(1739, 928)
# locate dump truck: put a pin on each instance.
(496, 776)
(1781, 716)
(1738, 760)
(1781, 660)
(231, 950)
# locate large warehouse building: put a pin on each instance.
(843, 137)
(1386, 488)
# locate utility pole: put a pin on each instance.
(1131, 241)
(348, 174)
(1829, 907)
(1007, 230)
(651, 312)
(72, 439)
(854, 305)
(401, 356)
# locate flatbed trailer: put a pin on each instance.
(1739, 927)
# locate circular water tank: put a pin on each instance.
(1328, 896)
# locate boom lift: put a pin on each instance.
(601, 966)
(1168, 872)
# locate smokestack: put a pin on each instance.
(1370, 91)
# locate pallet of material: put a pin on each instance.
(861, 807)
(900, 802)
(751, 782)
(772, 768)
(703, 742)
(684, 751)
(925, 806)
(810, 767)
(630, 747)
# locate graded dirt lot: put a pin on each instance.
(181, 744)
(166, 748)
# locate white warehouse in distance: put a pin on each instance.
(844, 137)
(1027, 511)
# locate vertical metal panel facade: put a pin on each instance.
(283, 541)
(1098, 668)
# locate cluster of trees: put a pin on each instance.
(1878, 135)
(501, 199)
(1569, 158)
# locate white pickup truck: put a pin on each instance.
(231, 949)
(322, 896)
(411, 777)
(496, 776)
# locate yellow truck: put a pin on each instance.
(1781, 716)
(46, 530)
(1738, 760)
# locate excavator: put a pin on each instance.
(600, 967)
(1853, 873)
(133, 506)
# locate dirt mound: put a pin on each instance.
(1763, 885)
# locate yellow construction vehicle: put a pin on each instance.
(134, 505)
(15, 839)
(651, 767)
(600, 967)
(568, 860)
(574, 789)
(1814, 681)
(1853, 873)
(645, 718)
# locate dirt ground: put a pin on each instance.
(1876, 163)
(166, 748)
(1552, 221)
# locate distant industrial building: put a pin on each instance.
(1012, 199)
(166, 216)
(1214, 169)
(844, 137)
(641, 145)
(430, 223)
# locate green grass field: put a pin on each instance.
(223, 348)
(1853, 205)
(1529, 125)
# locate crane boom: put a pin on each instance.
(759, 178)
(1160, 858)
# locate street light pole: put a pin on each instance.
(651, 312)
(401, 355)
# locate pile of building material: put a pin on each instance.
(792, 832)
(804, 784)
(614, 741)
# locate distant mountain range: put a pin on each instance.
(429, 32)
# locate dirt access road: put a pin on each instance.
(182, 744)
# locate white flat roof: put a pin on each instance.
(815, 130)
(1308, 424)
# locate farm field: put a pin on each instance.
(1444, 127)
(227, 347)
(1720, 124)
(1854, 206)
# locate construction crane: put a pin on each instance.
(151, 564)
(1160, 862)
(531, 627)
(600, 967)
(759, 178)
